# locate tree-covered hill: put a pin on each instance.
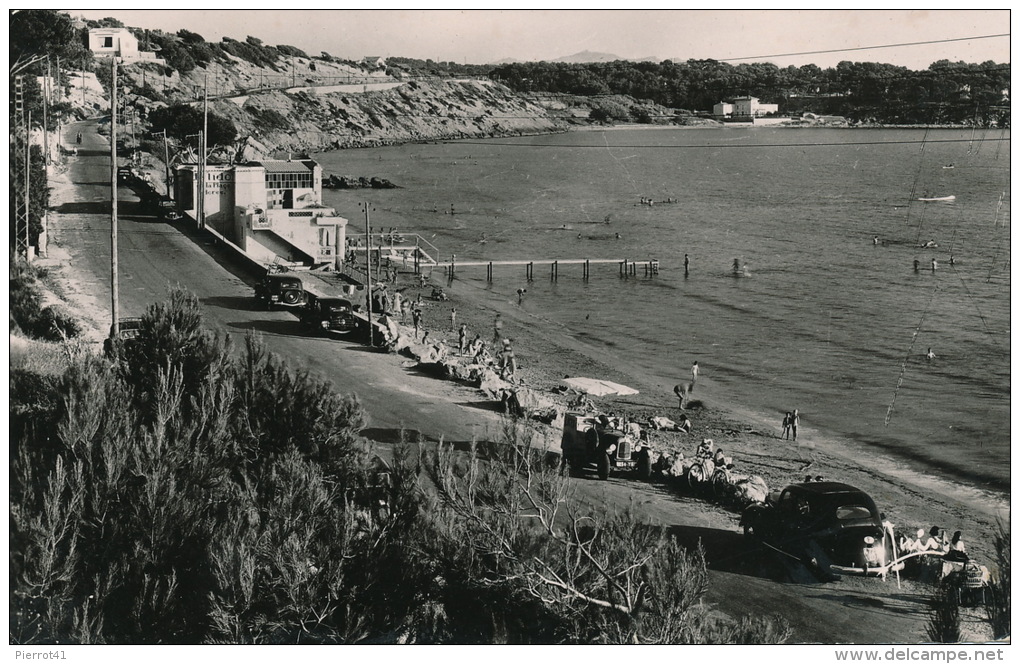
(946, 92)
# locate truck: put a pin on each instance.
(596, 441)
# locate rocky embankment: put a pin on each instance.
(323, 106)
(408, 111)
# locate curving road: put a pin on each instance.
(155, 254)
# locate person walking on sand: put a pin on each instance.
(461, 338)
(787, 425)
(795, 422)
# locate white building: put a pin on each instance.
(744, 107)
(269, 209)
(121, 43)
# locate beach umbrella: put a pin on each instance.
(599, 388)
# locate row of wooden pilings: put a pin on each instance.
(628, 267)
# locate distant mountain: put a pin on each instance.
(506, 61)
(588, 56)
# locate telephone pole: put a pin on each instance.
(21, 180)
(368, 275)
(114, 294)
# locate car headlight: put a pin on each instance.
(325, 324)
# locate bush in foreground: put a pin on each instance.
(185, 493)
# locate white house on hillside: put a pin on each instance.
(121, 43)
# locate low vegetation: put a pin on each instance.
(187, 493)
(27, 313)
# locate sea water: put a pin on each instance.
(819, 318)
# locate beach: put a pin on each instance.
(545, 352)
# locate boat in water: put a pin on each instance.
(931, 199)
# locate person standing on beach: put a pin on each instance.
(497, 328)
(787, 425)
(461, 338)
(681, 391)
(694, 374)
(520, 294)
(416, 320)
(795, 422)
(453, 318)
(687, 265)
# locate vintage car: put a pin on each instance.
(814, 520)
(280, 289)
(127, 330)
(166, 209)
(328, 314)
(592, 440)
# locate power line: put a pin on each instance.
(866, 48)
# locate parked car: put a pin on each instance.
(838, 519)
(128, 330)
(591, 440)
(280, 289)
(328, 314)
(166, 209)
(124, 174)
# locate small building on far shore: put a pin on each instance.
(743, 109)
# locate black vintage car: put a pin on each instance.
(815, 520)
(280, 289)
(127, 330)
(328, 314)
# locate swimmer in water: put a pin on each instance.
(929, 355)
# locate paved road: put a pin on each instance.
(154, 255)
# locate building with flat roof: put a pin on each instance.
(119, 42)
(271, 209)
(745, 107)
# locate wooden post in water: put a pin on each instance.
(489, 273)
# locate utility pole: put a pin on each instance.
(368, 276)
(46, 117)
(28, 186)
(202, 142)
(115, 296)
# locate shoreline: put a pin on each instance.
(911, 498)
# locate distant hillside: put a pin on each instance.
(588, 56)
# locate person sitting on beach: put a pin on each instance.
(684, 424)
(705, 449)
(934, 542)
(957, 550)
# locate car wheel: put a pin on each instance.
(291, 297)
(603, 466)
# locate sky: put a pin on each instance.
(486, 36)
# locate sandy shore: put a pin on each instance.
(910, 499)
